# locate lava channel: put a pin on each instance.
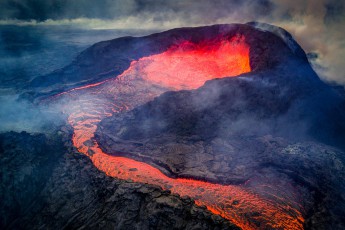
(183, 66)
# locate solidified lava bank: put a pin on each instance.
(125, 122)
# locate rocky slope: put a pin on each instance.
(46, 184)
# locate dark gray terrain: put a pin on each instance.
(46, 184)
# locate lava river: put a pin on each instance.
(183, 66)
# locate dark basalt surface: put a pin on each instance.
(45, 184)
(26, 164)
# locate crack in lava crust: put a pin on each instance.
(184, 66)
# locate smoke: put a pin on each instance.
(161, 10)
(19, 115)
(316, 25)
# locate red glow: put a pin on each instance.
(219, 199)
(185, 66)
(189, 65)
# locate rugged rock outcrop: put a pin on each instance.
(46, 184)
(26, 164)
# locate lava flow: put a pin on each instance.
(184, 66)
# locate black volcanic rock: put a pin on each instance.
(25, 166)
(45, 184)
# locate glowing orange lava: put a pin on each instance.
(184, 66)
(189, 65)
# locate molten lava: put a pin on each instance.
(189, 65)
(184, 66)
